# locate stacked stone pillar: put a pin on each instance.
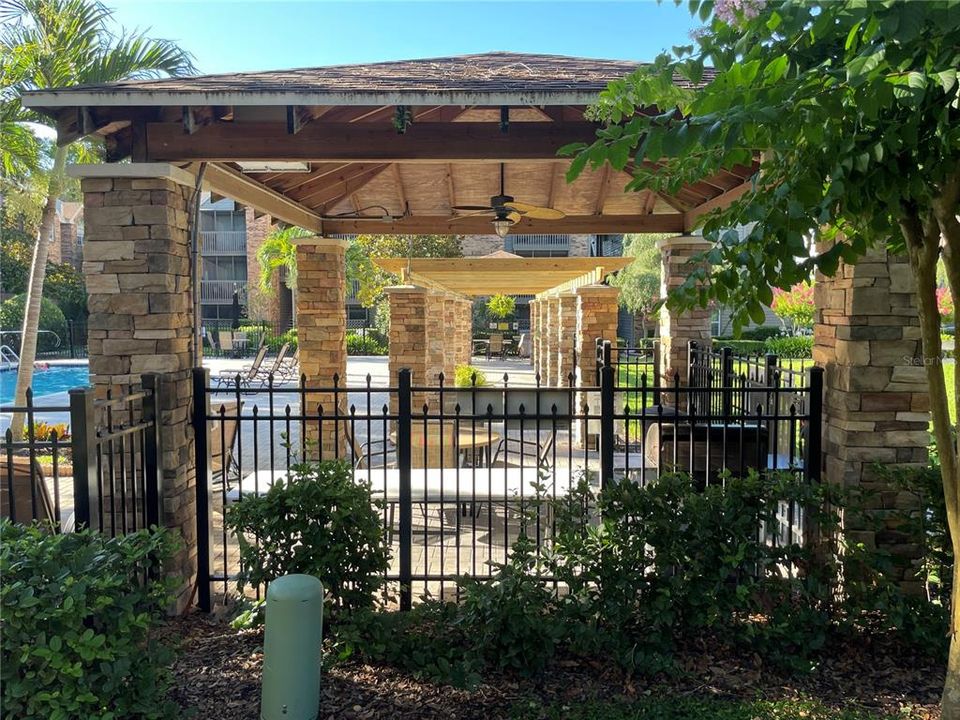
(408, 337)
(137, 270)
(597, 316)
(437, 336)
(679, 327)
(464, 330)
(322, 337)
(567, 313)
(533, 334)
(876, 402)
(551, 306)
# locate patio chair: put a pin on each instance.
(290, 369)
(248, 373)
(496, 346)
(225, 341)
(263, 377)
(28, 482)
(223, 437)
(521, 452)
(523, 346)
(210, 340)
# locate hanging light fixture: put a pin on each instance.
(501, 226)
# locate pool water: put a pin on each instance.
(55, 379)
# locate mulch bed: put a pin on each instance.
(218, 676)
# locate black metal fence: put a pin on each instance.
(92, 463)
(458, 470)
(68, 343)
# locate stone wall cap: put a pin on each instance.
(398, 289)
(682, 240)
(321, 241)
(159, 170)
(597, 290)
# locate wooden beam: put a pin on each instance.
(248, 191)
(691, 218)
(572, 224)
(360, 142)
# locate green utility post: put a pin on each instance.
(292, 636)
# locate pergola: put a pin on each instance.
(381, 148)
(391, 148)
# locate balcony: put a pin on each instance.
(540, 243)
(223, 242)
(221, 291)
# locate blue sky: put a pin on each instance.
(274, 34)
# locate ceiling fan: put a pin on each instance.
(507, 212)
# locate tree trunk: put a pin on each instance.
(945, 210)
(38, 271)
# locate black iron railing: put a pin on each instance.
(457, 468)
(92, 463)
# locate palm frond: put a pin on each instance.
(277, 252)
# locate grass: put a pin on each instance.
(686, 708)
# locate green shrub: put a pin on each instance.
(468, 376)
(763, 332)
(790, 346)
(321, 522)
(668, 561)
(740, 347)
(508, 618)
(51, 318)
(78, 625)
(370, 344)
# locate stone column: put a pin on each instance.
(533, 334)
(597, 315)
(678, 328)
(322, 334)
(876, 402)
(567, 306)
(465, 331)
(548, 373)
(408, 337)
(437, 337)
(137, 269)
(452, 340)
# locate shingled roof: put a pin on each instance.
(493, 74)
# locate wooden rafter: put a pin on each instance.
(401, 193)
(321, 185)
(691, 218)
(344, 186)
(602, 190)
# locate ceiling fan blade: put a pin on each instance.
(536, 211)
(471, 207)
(514, 217)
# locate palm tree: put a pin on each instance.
(278, 252)
(58, 43)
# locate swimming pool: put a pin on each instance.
(55, 379)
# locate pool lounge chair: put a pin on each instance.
(249, 374)
(223, 463)
(263, 377)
